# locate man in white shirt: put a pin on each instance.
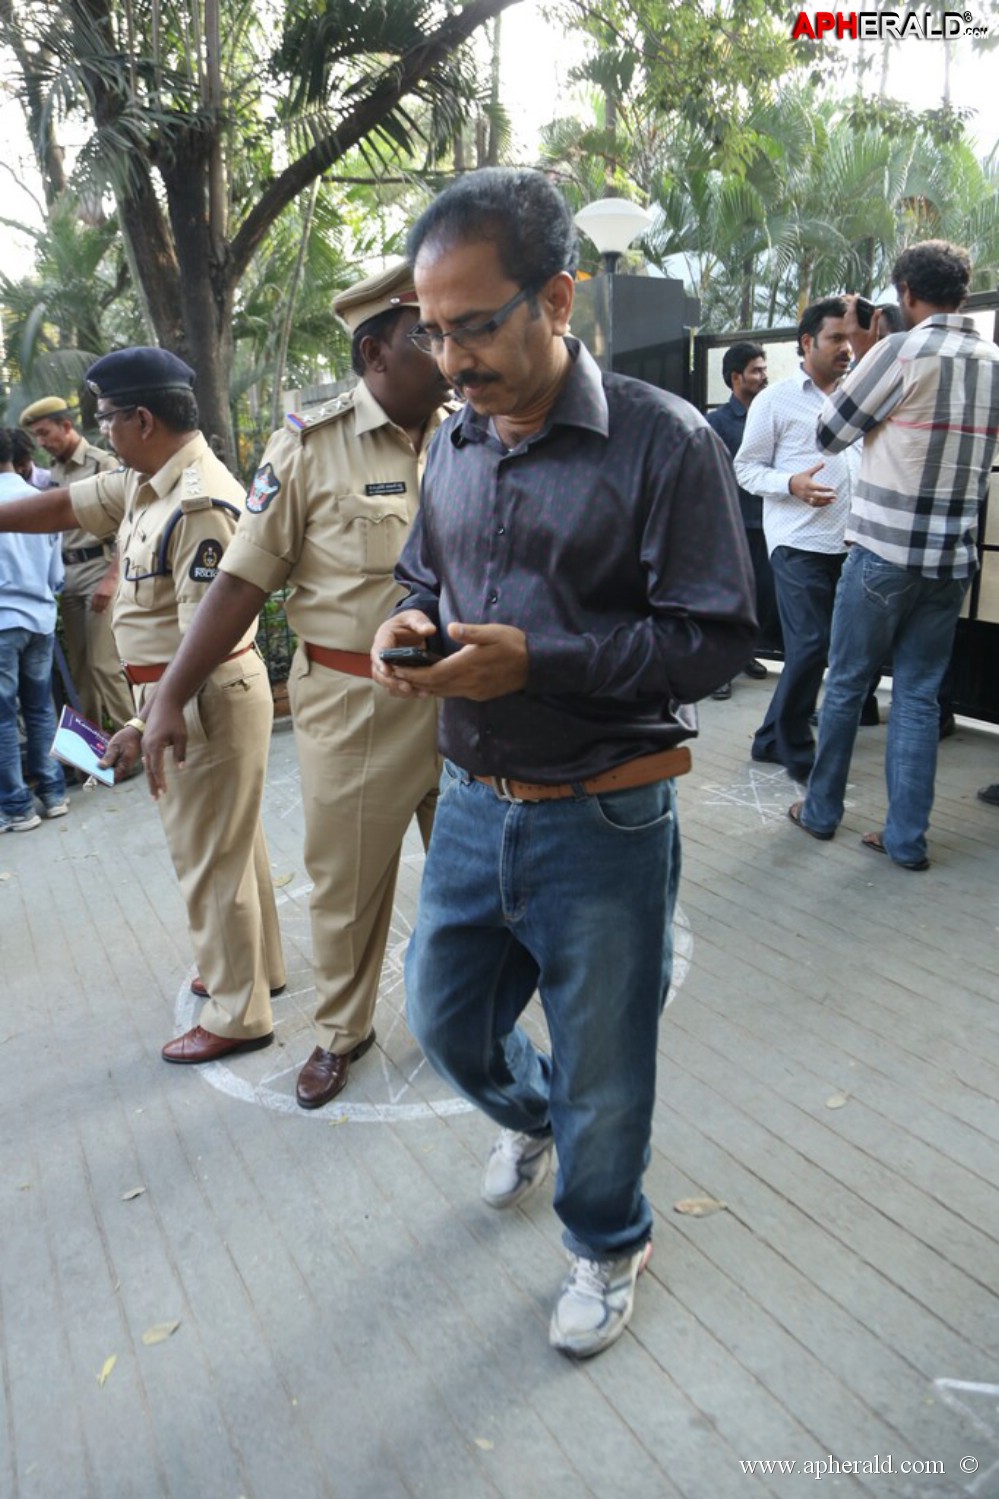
(806, 498)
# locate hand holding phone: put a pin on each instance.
(408, 655)
(865, 311)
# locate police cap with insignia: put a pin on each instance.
(53, 407)
(389, 290)
(136, 372)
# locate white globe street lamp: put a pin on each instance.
(613, 224)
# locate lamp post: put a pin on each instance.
(612, 224)
(636, 325)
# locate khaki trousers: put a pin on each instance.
(368, 763)
(211, 818)
(91, 654)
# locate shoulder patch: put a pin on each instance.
(264, 488)
(205, 567)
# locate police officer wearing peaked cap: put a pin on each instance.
(336, 494)
(90, 565)
(174, 508)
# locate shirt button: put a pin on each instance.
(501, 530)
(493, 598)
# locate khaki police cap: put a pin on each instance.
(47, 406)
(391, 288)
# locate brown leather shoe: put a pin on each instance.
(198, 988)
(198, 1045)
(325, 1074)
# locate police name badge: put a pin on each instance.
(263, 489)
(394, 486)
(205, 567)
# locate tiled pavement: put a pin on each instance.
(352, 1322)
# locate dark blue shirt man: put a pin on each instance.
(580, 562)
(744, 370)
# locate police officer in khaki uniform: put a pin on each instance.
(327, 514)
(91, 569)
(174, 508)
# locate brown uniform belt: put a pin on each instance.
(138, 676)
(81, 554)
(355, 663)
(661, 766)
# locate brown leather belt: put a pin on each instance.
(138, 676)
(355, 663)
(661, 766)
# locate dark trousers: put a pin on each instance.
(766, 594)
(806, 589)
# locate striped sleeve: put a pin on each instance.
(870, 391)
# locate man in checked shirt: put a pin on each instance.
(925, 402)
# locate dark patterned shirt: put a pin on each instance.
(613, 538)
(729, 421)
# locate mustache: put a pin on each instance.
(472, 377)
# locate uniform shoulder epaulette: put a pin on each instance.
(193, 496)
(331, 411)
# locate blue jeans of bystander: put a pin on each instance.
(574, 898)
(26, 677)
(883, 613)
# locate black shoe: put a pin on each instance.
(948, 726)
(756, 670)
(870, 714)
(990, 794)
(722, 694)
(768, 756)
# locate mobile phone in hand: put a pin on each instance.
(408, 655)
(865, 312)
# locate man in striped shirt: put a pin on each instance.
(925, 402)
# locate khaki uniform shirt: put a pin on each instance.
(328, 512)
(84, 461)
(170, 540)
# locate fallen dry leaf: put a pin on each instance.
(281, 880)
(108, 1365)
(132, 1193)
(484, 1443)
(699, 1207)
(159, 1332)
(837, 1101)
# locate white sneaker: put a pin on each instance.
(596, 1302)
(516, 1165)
(20, 824)
(56, 809)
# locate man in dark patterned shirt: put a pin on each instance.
(579, 562)
(925, 403)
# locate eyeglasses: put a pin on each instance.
(105, 418)
(466, 338)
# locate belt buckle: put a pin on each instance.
(501, 786)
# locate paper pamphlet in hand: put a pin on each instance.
(80, 743)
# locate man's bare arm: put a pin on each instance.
(45, 511)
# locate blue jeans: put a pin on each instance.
(806, 589)
(884, 612)
(574, 898)
(26, 676)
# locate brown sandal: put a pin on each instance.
(875, 842)
(794, 812)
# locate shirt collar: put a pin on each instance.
(582, 402)
(369, 414)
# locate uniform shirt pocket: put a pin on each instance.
(374, 531)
